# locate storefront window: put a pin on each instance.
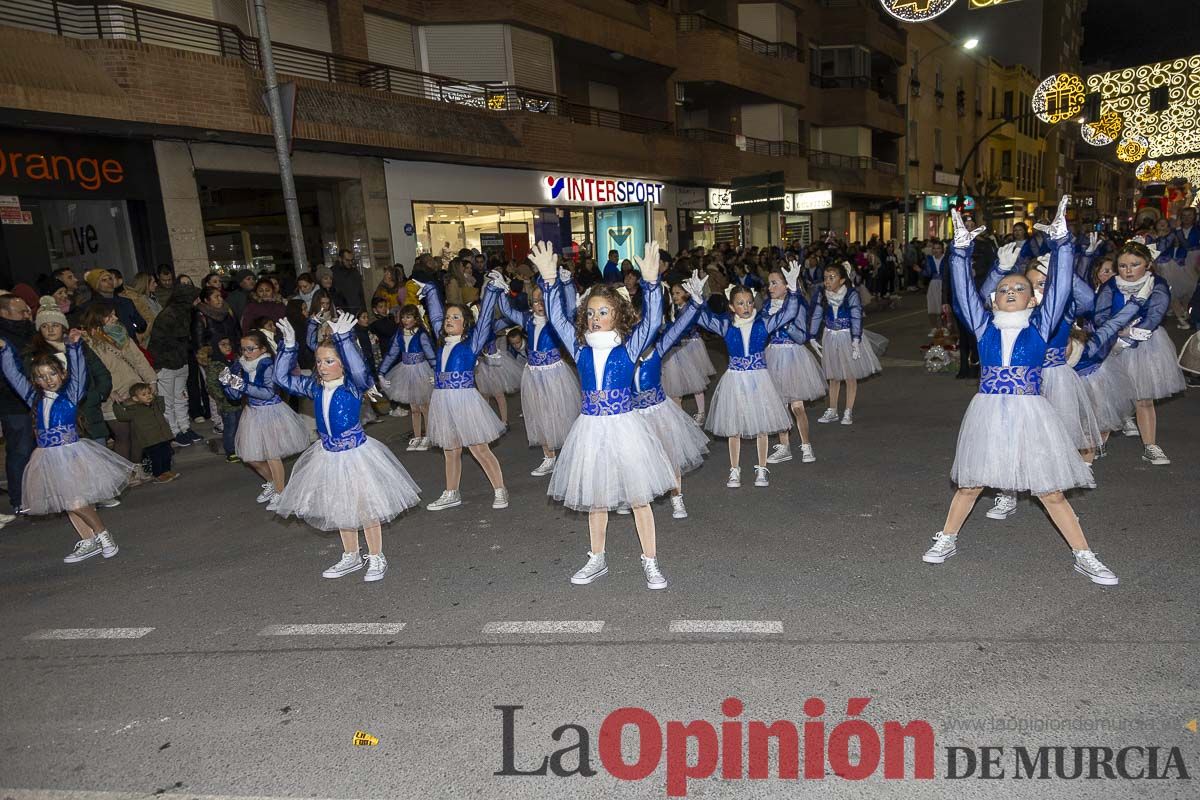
(506, 232)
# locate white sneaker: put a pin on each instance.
(1086, 563)
(830, 415)
(735, 478)
(760, 476)
(1155, 455)
(654, 577)
(413, 443)
(111, 502)
(423, 444)
(545, 468)
(596, 567)
(779, 454)
(501, 499)
(1005, 507)
(398, 411)
(273, 503)
(624, 510)
(944, 546)
(84, 548)
(267, 492)
(806, 454)
(1130, 428)
(350, 562)
(848, 417)
(108, 545)
(699, 416)
(678, 509)
(376, 568)
(448, 499)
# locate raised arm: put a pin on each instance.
(967, 303)
(482, 333)
(798, 330)
(296, 385)
(652, 317)
(310, 337)
(354, 364)
(15, 376)
(513, 315)
(433, 307)
(77, 374)
(1084, 297)
(556, 314)
(1058, 291)
(684, 320)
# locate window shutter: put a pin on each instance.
(533, 60)
(390, 41)
(303, 23)
(476, 53)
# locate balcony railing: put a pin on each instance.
(818, 159)
(762, 147)
(690, 23)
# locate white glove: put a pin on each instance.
(648, 264)
(1123, 343)
(856, 350)
(544, 260)
(791, 274)
(1057, 229)
(235, 382)
(817, 346)
(1093, 243)
(225, 378)
(344, 323)
(494, 278)
(695, 287)
(422, 288)
(963, 237)
(1140, 334)
(1146, 290)
(564, 275)
(1007, 256)
(287, 331)
(384, 383)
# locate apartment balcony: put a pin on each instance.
(844, 102)
(855, 174)
(712, 53)
(859, 22)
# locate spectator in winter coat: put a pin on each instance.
(243, 292)
(104, 286)
(348, 282)
(263, 304)
(213, 321)
(169, 346)
(16, 328)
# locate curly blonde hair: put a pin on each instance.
(626, 316)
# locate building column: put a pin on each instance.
(181, 208)
(347, 28)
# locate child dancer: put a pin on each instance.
(1011, 438)
(550, 395)
(843, 358)
(406, 373)
(459, 416)
(497, 374)
(934, 270)
(268, 430)
(687, 367)
(66, 473)
(795, 371)
(1150, 359)
(611, 456)
(347, 480)
(746, 403)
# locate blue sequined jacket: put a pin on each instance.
(647, 379)
(1082, 303)
(1110, 300)
(541, 350)
(420, 348)
(338, 427)
(456, 370)
(60, 428)
(749, 354)
(260, 387)
(849, 314)
(1101, 341)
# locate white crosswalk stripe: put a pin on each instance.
(89, 633)
(335, 629)
(546, 626)
(725, 626)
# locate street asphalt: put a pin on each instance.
(811, 588)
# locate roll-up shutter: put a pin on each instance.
(304, 23)
(467, 52)
(390, 41)
(533, 60)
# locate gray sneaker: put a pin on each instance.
(376, 568)
(654, 577)
(1086, 563)
(350, 562)
(448, 499)
(944, 546)
(108, 545)
(84, 549)
(595, 567)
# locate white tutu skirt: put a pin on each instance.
(550, 401)
(747, 404)
(686, 369)
(499, 374)
(1180, 277)
(609, 461)
(461, 418)
(1153, 367)
(933, 298)
(72, 476)
(796, 373)
(347, 489)
(1016, 443)
(1065, 391)
(878, 342)
(837, 362)
(1110, 391)
(270, 432)
(681, 438)
(411, 384)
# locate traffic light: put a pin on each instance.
(1091, 107)
(1159, 99)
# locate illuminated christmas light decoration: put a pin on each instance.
(1103, 131)
(977, 4)
(1058, 98)
(916, 10)
(1186, 168)
(1173, 132)
(1132, 148)
(1149, 170)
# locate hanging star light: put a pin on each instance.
(1174, 131)
(1103, 131)
(1132, 148)
(1149, 170)
(916, 10)
(1058, 98)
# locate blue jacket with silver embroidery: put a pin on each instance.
(260, 387)
(458, 371)
(540, 350)
(340, 429)
(762, 329)
(1110, 300)
(848, 315)
(419, 344)
(647, 379)
(60, 429)
(1101, 342)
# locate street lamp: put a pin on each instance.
(969, 44)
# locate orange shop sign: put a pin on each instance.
(85, 172)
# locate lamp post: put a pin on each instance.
(969, 44)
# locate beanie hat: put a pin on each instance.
(324, 272)
(48, 312)
(92, 277)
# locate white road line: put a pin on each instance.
(558, 626)
(90, 633)
(83, 794)
(334, 629)
(725, 626)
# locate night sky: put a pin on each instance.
(1125, 33)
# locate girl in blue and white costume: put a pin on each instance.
(1011, 438)
(1150, 359)
(549, 389)
(268, 430)
(746, 403)
(611, 457)
(838, 308)
(687, 367)
(795, 370)
(933, 269)
(497, 374)
(459, 416)
(66, 473)
(406, 372)
(347, 480)
(1171, 265)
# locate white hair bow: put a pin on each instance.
(1154, 251)
(621, 290)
